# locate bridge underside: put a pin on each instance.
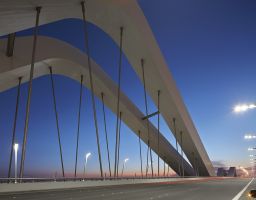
(139, 42)
(68, 61)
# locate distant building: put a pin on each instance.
(231, 172)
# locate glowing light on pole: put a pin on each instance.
(16, 147)
(125, 161)
(87, 156)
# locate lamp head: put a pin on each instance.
(16, 147)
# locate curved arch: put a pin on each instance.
(61, 57)
(139, 42)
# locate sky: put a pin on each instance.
(210, 48)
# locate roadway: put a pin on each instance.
(226, 189)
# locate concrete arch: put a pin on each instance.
(139, 42)
(61, 57)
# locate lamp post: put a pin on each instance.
(125, 161)
(87, 156)
(16, 147)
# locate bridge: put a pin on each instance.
(23, 59)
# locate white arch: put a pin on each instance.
(68, 61)
(139, 42)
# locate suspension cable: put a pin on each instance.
(168, 170)
(194, 163)
(158, 127)
(91, 84)
(57, 121)
(141, 170)
(119, 137)
(164, 167)
(197, 167)
(14, 127)
(78, 125)
(38, 10)
(181, 148)
(118, 94)
(177, 148)
(146, 106)
(106, 133)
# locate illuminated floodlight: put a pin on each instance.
(87, 156)
(243, 107)
(15, 147)
(249, 136)
(125, 161)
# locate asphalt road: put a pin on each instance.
(207, 190)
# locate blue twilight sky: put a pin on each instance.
(210, 47)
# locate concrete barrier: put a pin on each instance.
(39, 186)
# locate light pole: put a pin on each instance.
(125, 161)
(16, 147)
(87, 156)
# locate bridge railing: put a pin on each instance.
(35, 180)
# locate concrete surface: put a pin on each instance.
(219, 189)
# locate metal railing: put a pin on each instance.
(36, 180)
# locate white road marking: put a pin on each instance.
(242, 191)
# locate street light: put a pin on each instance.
(249, 136)
(16, 147)
(243, 107)
(125, 161)
(87, 156)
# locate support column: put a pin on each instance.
(118, 94)
(158, 127)
(176, 142)
(91, 84)
(146, 107)
(164, 167)
(23, 154)
(57, 121)
(78, 121)
(141, 170)
(14, 127)
(118, 144)
(182, 162)
(106, 133)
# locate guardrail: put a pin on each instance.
(34, 180)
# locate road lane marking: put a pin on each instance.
(242, 191)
